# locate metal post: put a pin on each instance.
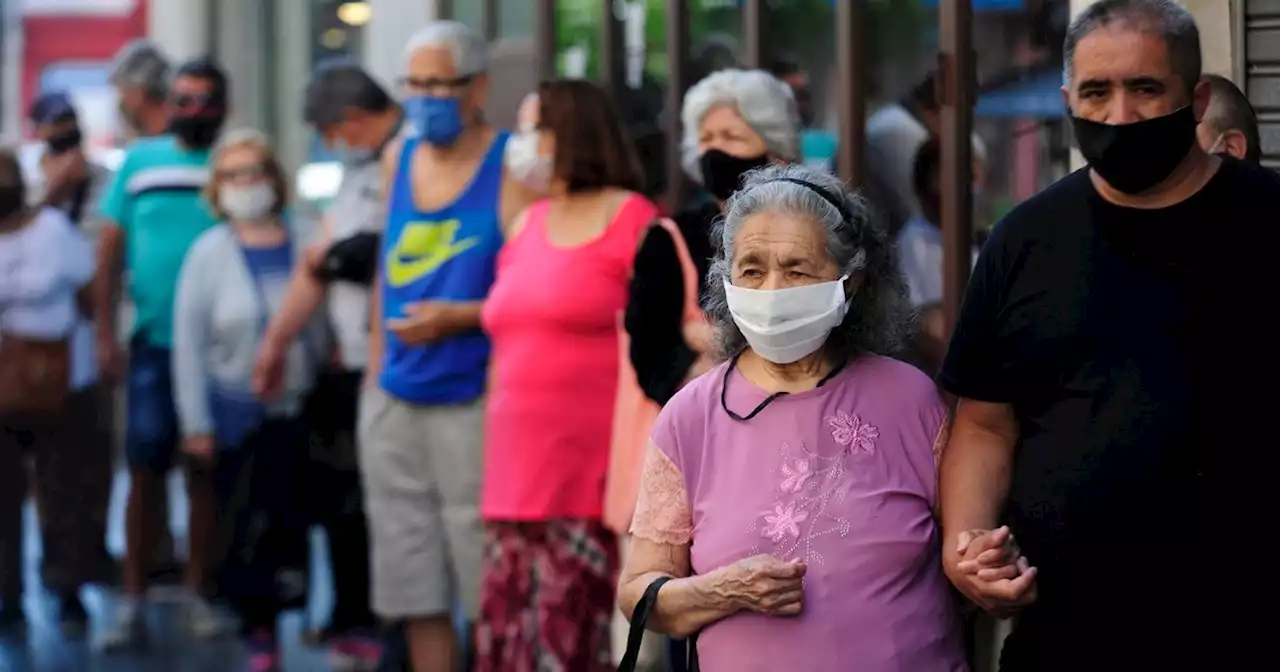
(677, 82)
(612, 57)
(754, 14)
(544, 37)
(851, 63)
(491, 19)
(956, 82)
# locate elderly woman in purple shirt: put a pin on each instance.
(788, 495)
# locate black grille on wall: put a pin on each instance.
(1262, 72)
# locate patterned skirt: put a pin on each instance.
(547, 597)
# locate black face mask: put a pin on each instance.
(1136, 157)
(198, 131)
(722, 173)
(61, 144)
(10, 202)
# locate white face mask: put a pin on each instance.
(785, 325)
(525, 163)
(247, 203)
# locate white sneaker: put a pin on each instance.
(202, 619)
(126, 629)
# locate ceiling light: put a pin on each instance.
(354, 13)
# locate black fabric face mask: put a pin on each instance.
(722, 173)
(197, 132)
(1136, 157)
(61, 144)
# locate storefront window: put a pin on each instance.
(470, 12)
(515, 17)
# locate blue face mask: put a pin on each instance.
(438, 121)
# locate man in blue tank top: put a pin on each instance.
(422, 407)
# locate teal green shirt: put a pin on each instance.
(818, 148)
(155, 199)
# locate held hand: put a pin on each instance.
(424, 322)
(199, 447)
(268, 371)
(765, 585)
(988, 568)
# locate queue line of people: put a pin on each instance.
(530, 312)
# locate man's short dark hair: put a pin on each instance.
(1229, 109)
(1164, 18)
(204, 67)
(338, 85)
(785, 65)
(925, 93)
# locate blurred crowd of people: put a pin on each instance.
(528, 405)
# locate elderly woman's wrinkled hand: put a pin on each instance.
(763, 584)
(991, 571)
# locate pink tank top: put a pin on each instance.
(552, 319)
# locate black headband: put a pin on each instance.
(826, 195)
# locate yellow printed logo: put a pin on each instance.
(422, 248)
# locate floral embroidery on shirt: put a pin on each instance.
(850, 431)
(808, 486)
(796, 475)
(785, 520)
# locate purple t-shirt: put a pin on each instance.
(844, 477)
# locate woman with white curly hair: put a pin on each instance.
(734, 120)
(785, 513)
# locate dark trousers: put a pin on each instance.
(71, 464)
(334, 499)
(261, 536)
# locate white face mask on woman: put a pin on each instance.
(247, 203)
(525, 163)
(785, 325)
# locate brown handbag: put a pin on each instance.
(35, 375)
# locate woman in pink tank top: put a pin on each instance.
(547, 595)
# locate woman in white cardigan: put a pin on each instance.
(233, 280)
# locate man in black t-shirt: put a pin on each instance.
(1101, 364)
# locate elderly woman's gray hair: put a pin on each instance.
(469, 49)
(762, 100)
(880, 317)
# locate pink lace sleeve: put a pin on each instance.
(662, 508)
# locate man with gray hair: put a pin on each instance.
(1101, 420)
(422, 416)
(141, 77)
(1230, 126)
(357, 119)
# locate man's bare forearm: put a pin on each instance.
(106, 280)
(977, 466)
(306, 293)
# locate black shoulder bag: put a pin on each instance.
(636, 634)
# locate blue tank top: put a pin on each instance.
(442, 255)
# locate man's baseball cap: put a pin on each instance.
(52, 107)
